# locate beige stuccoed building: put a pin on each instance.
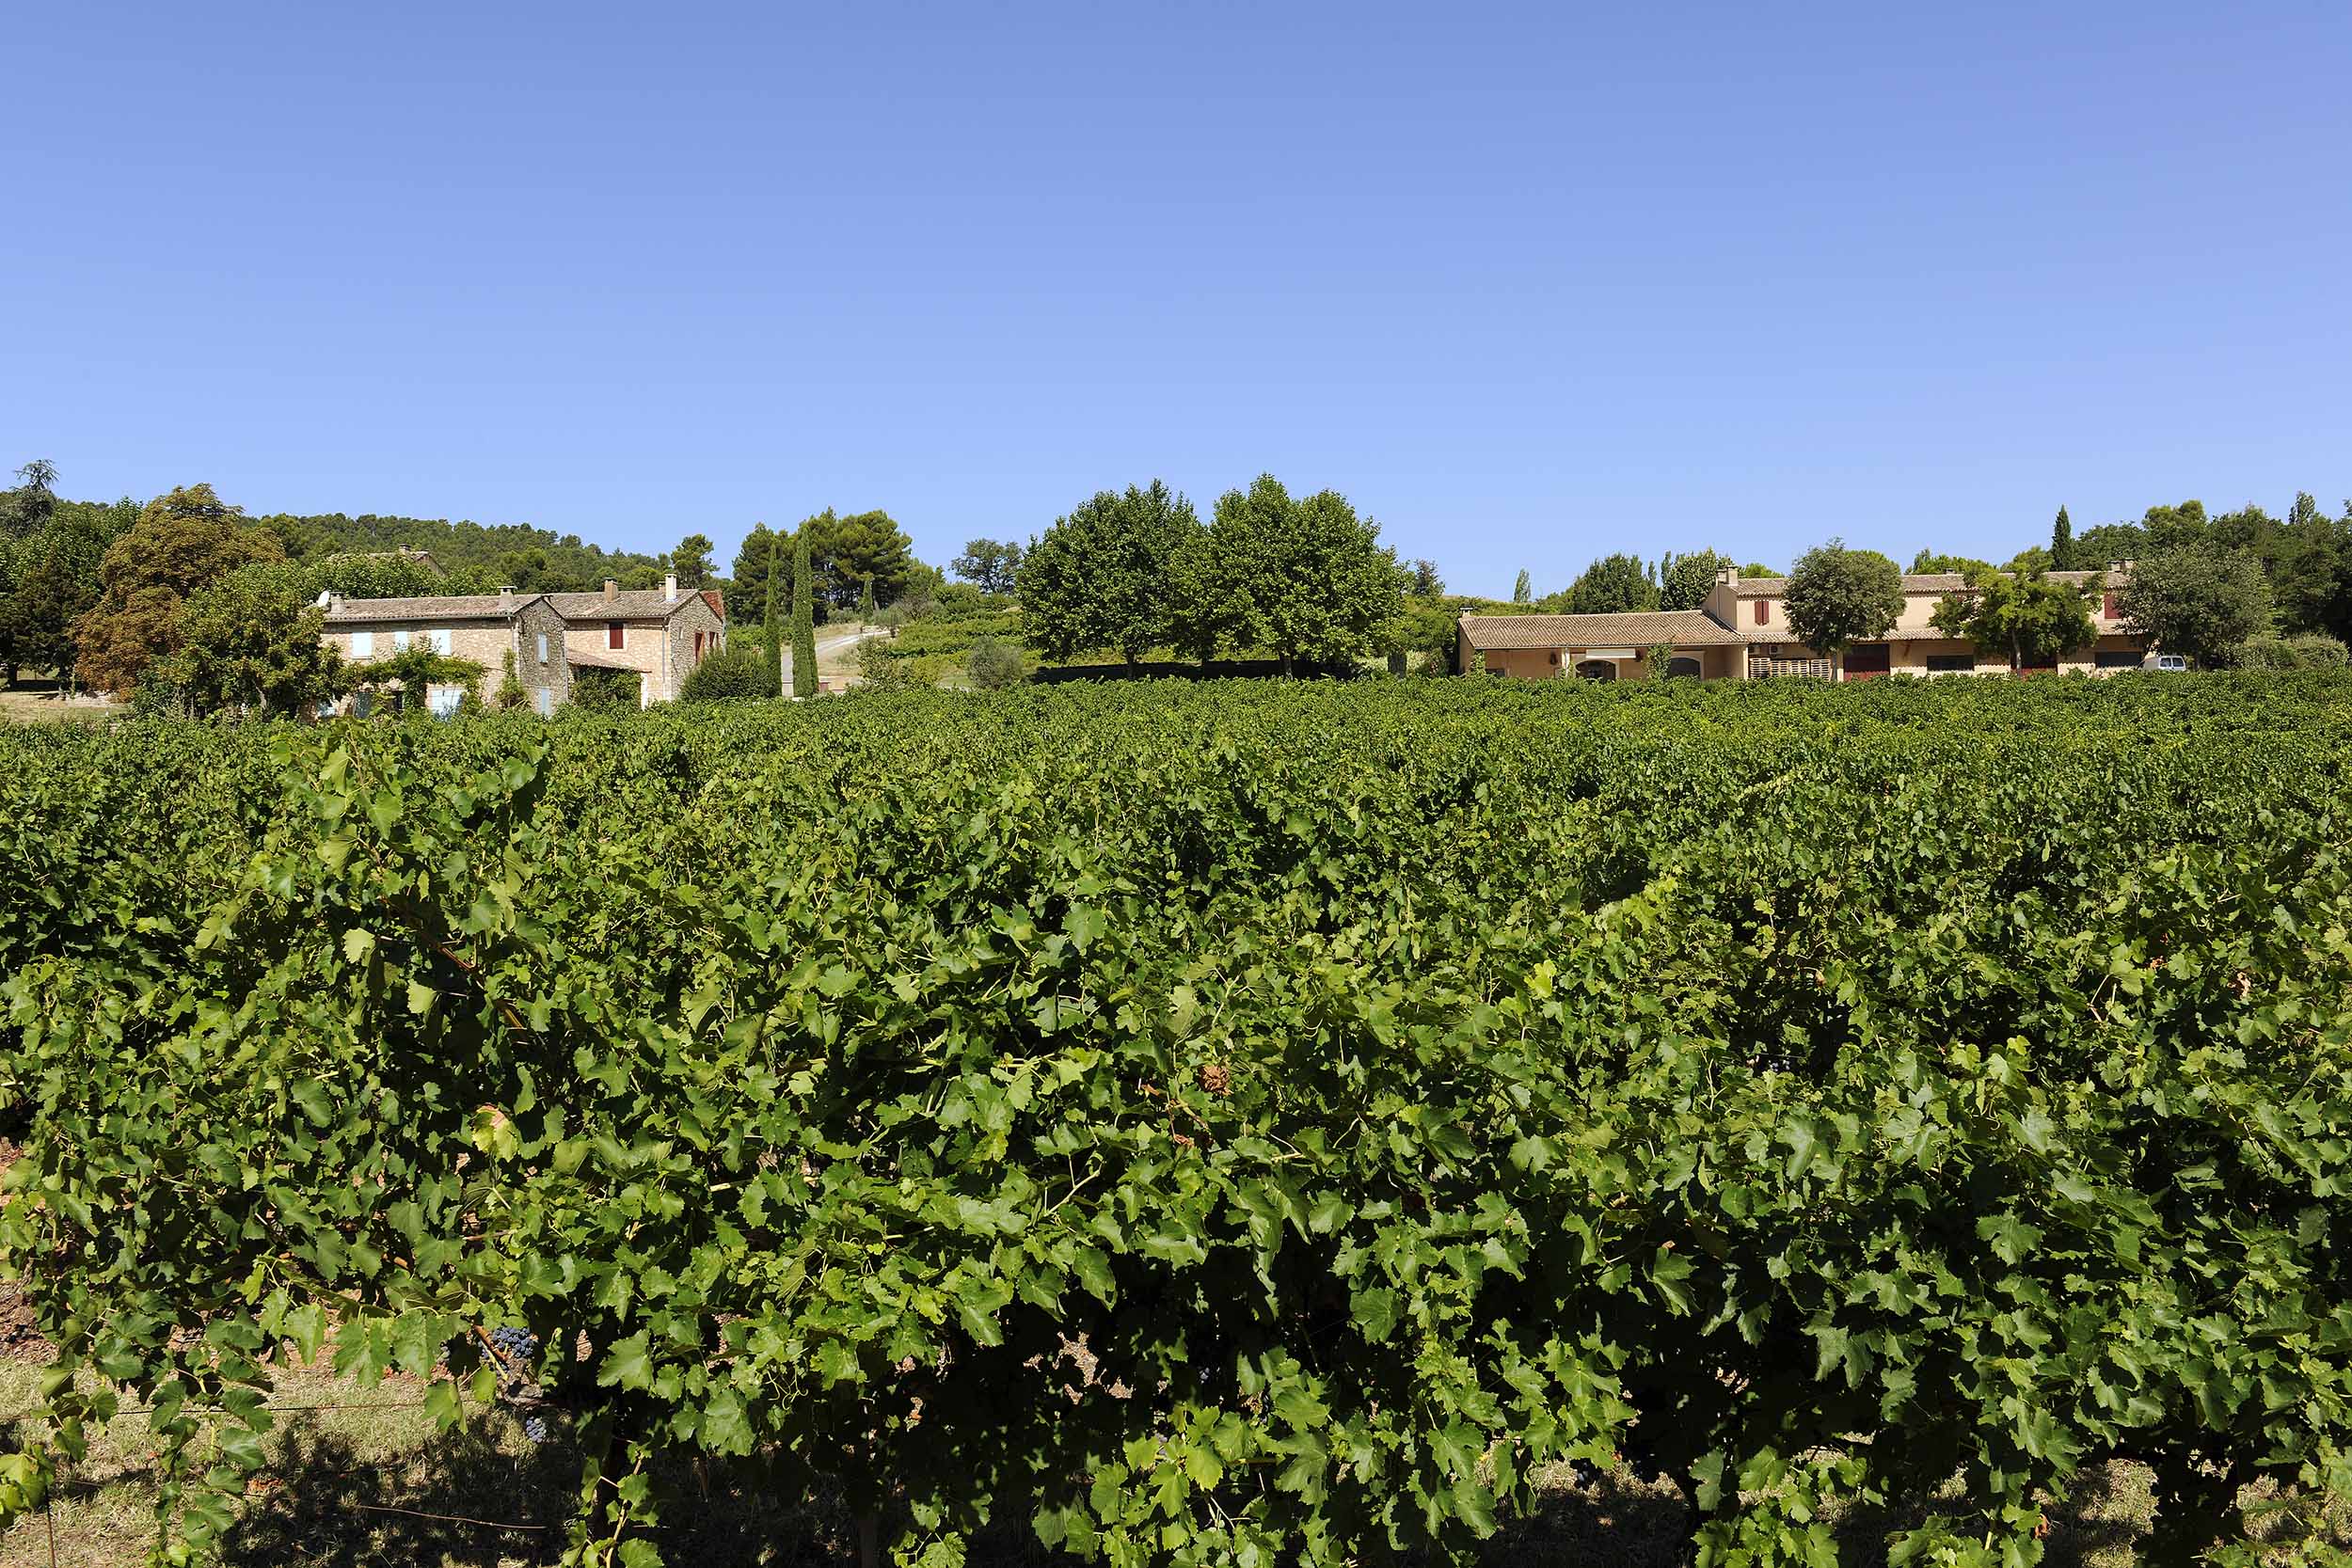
(660, 634)
(1742, 633)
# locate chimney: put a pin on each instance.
(507, 595)
(668, 588)
(611, 590)
(1728, 576)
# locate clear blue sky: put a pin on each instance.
(1527, 283)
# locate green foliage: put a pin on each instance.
(994, 665)
(474, 554)
(731, 672)
(1523, 590)
(993, 566)
(403, 680)
(1929, 561)
(1240, 1123)
(2023, 615)
(691, 561)
(753, 579)
(2198, 599)
(803, 613)
(511, 692)
(252, 643)
(1104, 575)
(181, 543)
(1838, 596)
(1426, 583)
(2310, 651)
(1685, 580)
(771, 571)
(1305, 580)
(50, 551)
(1610, 586)
(606, 691)
(2062, 543)
(849, 551)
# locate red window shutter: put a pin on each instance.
(2108, 608)
(612, 634)
(698, 647)
(1763, 611)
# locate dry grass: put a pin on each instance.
(36, 701)
(335, 1470)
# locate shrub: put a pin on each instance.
(606, 690)
(731, 672)
(993, 665)
(2311, 651)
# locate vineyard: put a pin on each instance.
(1236, 1123)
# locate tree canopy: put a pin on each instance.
(759, 558)
(1105, 575)
(1308, 581)
(1612, 585)
(691, 561)
(1838, 596)
(183, 541)
(252, 641)
(846, 551)
(991, 565)
(2198, 599)
(2026, 614)
(1685, 580)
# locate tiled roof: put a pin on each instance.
(1914, 582)
(636, 604)
(1639, 628)
(446, 607)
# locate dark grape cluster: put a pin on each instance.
(516, 1349)
(516, 1345)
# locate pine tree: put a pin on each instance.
(803, 619)
(1523, 591)
(2062, 543)
(772, 629)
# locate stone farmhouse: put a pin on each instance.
(659, 633)
(1741, 633)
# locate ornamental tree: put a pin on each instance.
(183, 541)
(1837, 596)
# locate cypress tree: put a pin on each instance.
(2062, 543)
(770, 627)
(1523, 591)
(803, 619)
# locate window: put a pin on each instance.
(443, 700)
(543, 647)
(544, 699)
(399, 641)
(2108, 608)
(1763, 612)
(439, 640)
(363, 644)
(615, 635)
(1952, 664)
(698, 647)
(1597, 670)
(1682, 664)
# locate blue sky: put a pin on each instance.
(1528, 284)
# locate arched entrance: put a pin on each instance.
(1597, 670)
(1683, 664)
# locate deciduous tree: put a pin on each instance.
(2197, 599)
(1838, 596)
(2026, 614)
(1306, 580)
(183, 541)
(251, 641)
(1613, 585)
(991, 565)
(1523, 591)
(1685, 580)
(1105, 575)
